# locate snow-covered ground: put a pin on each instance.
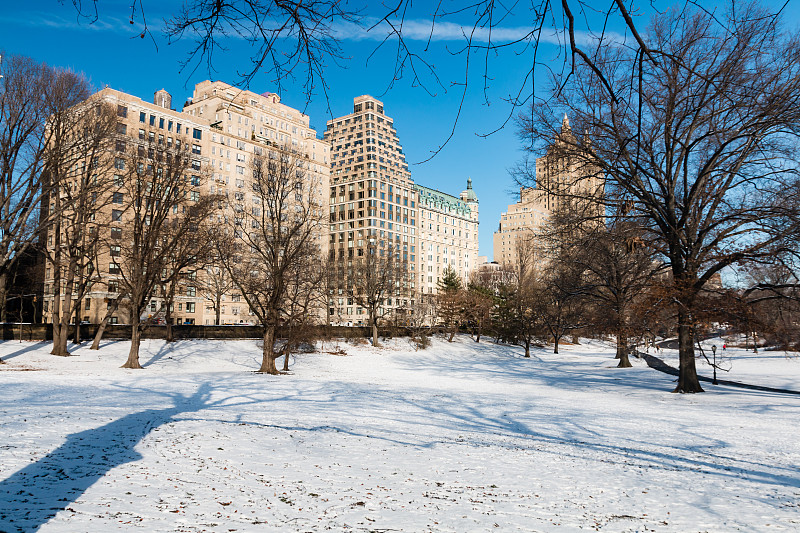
(460, 437)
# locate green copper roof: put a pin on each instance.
(438, 200)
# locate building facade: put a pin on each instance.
(367, 195)
(373, 206)
(561, 179)
(223, 128)
(448, 235)
(374, 202)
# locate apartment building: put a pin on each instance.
(448, 235)
(243, 125)
(139, 124)
(372, 205)
(223, 128)
(374, 202)
(521, 220)
(560, 178)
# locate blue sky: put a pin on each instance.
(110, 53)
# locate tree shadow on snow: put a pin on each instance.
(26, 347)
(33, 495)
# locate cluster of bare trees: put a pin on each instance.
(54, 146)
(695, 134)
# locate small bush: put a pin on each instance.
(421, 342)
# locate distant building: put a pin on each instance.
(448, 233)
(375, 202)
(560, 177)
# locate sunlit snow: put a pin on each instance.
(459, 437)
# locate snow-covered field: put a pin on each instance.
(460, 437)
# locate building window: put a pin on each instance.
(117, 198)
(142, 117)
(115, 250)
(196, 149)
(122, 111)
(88, 304)
(197, 134)
(116, 215)
(195, 180)
(112, 287)
(116, 233)
(113, 268)
(119, 163)
(191, 291)
(161, 123)
(152, 120)
(122, 128)
(113, 320)
(190, 307)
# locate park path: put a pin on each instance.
(658, 364)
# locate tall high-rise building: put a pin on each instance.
(373, 206)
(562, 178)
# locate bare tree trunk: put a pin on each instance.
(687, 375)
(374, 332)
(755, 342)
(622, 349)
(4, 297)
(218, 310)
(136, 339)
(527, 348)
(268, 360)
(60, 330)
(60, 344)
(556, 338)
(170, 332)
(286, 350)
(98, 336)
(77, 338)
(452, 333)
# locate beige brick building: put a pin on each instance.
(223, 128)
(372, 203)
(365, 189)
(373, 199)
(448, 235)
(560, 177)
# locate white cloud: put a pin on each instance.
(422, 30)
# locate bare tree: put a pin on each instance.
(293, 40)
(520, 311)
(78, 159)
(616, 268)
(423, 318)
(162, 208)
(374, 280)
(274, 238)
(287, 38)
(700, 140)
(29, 93)
(215, 283)
(305, 297)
